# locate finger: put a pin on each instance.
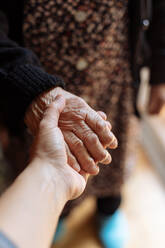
(155, 107)
(84, 175)
(109, 125)
(107, 159)
(72, 161)
(103, 115)
(52, 113)
(101, 128)
(92, 142)
(78, 149)
(113, 144)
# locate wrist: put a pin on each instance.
(52, 179)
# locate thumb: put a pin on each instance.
(52, 113)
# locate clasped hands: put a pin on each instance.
(79, 137)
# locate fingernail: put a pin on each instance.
(108, 158)
(95, 169)
(114, 144)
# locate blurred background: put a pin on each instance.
(143, 193)
(47, 29)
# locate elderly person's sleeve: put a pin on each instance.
(21, 76)
(156, 39)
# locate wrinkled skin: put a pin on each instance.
(86, 132)
(49, 148)
(157, 99)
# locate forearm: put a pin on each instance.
(29, 210)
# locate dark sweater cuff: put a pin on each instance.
(20, 87)
(158, 70)
(31, 81)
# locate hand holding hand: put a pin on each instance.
(86, 133)
(49, 148)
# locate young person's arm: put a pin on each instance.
(30, 208)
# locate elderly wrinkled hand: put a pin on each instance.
(49, 148)
(87, 134)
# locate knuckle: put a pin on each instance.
(108, 139)
(101, 125)
(89, 164)
(89, 137)
(101, 156)
(92, 138)
(78, 144)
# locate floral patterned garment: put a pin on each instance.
(86, 43)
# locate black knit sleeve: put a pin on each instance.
(21, 76)
(157, 42)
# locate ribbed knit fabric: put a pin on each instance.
(21, 78)
(32, 80)
(19, 88)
